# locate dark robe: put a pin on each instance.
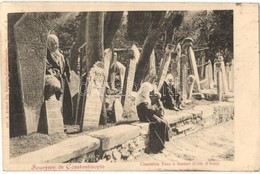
(170, 96)
(63, 75)
(158, 127)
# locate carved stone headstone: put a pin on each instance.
(224, 77)
(232, 76)
(122, 70)
(129, 81)
(164, 65)
(219, 81)
(210, 75)
(30, 37)
(74, 89)
(95, 92)
(194, 68)
(107, 62)
(152, 67)
(54, 116)
(118, 109)
(190, 85)
(183, 77)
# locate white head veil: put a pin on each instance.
(168, 78)
(143, 95)
(55, 53)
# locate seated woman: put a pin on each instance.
(171, 99)
(58, 76)
(149, 111)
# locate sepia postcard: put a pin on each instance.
(130, 86)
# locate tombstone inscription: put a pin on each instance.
(95, 92)
(54, 116)
(30, 37)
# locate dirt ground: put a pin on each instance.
(24, 144)
(212, 144)
(29, 143)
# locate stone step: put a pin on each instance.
(60, 152)
(184, 128)
(113, 136)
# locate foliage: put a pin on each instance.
(221, 38)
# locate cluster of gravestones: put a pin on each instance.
(31, 53)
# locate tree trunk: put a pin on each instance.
(160, 22)
(111, 24)
(81, 31)
(93, 52)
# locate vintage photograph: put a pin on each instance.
(121, 86)
(91, 89)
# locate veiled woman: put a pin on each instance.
(58, 71)
(171, 99)
(149, 111)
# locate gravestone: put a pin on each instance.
(54, 116)
(127, 98)
(194, 68)
(95, 92)
(152, 67)
(190, 85)
(210, 75)
(178, 51)
(215, 71)
(74, 90)
(227, 69)
(164, 65)
(30, 37)
(219, 81)
(224, 77)
(107, 61)
(118, 109)
(183, 77)
(232, 76)
(122, 70)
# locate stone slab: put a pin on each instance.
(30, 36)
(143, 126)
(60, 152)
(114, 136)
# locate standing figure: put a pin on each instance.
(171, 99)
(58, 77)
(149, 111)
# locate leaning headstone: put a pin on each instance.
(107, 62)
(152, 67)
(194, 68)
(122, 70)
(95, 92)
(54, 116)
(74, 89)
(130, 75)
(127, 98)
(164, 65)
(178, 57)
(30, 37)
